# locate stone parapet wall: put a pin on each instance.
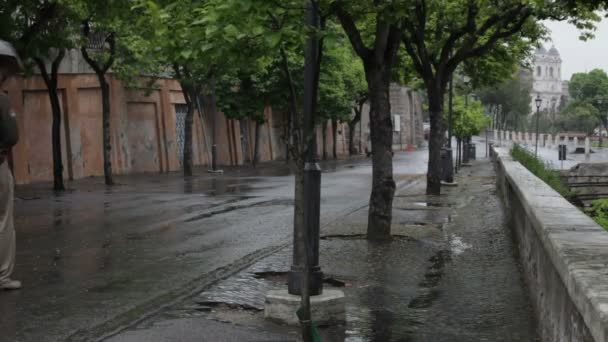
(564, 255)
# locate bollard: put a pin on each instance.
(549, 140)
(495, 134)
(575, 143)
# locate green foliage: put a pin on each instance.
(512, 96)
(267, 32)
(578, 116)
(540, 169)
(342, 78)
(469, 118)
(599, 212)
(591, 87)
(56, 31)
(589, 105)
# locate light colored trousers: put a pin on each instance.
(7, 229)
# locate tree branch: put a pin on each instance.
(56, 63)
(45, 13)
(111, 40)
(351, 31)
(469, 50)
(382, 35)
(469, 26)
(90, 61)
(394, 40)
(43, 72)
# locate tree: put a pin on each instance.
(374, 30)
(44, 38)
(21, 34)
(589, 92)
(102, 25)
(578, 116)
(513, 97)
(469, 117)
(246, 93)
(341, 84)
(441, 35)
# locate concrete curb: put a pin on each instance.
(564, 254)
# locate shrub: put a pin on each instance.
(540, 169)
(599, 212)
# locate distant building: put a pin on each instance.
(547, 80)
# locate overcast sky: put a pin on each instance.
(577, 55)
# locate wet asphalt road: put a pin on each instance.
(93, 258)
(450, 274)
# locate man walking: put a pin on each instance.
(9, 64)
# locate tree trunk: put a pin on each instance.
(381, 126)
(334, 131)
(459, 153)
(100, 71)
(324, 135)
(188, 123)
(433, 176)
(51, 84)
(294, 121)
(351, 138)
(352, 124)
(105, 117)
(256, 144)
(56, 141)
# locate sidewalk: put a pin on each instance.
(449, 274)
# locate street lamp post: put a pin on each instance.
(447, 158)
(599, 105)
(306, 278)
(538, 103)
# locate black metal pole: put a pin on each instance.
(213, 105)
(306, 278)
(450, 110)
(447, 166)
(536, 143)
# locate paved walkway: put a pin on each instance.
(448, 275)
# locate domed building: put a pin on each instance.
(547, 80)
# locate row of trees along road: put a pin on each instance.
(244, 55)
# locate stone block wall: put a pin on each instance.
(563, 253)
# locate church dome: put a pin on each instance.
(553, 51)
(540, 50)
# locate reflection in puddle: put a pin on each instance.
(432, 204)
(457, 246)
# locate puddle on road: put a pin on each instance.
(432, 204)
(457, 245)
(287, 202)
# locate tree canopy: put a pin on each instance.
(589, 103)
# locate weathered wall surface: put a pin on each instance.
(564, 255)
(405, 103)
(146, 130)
